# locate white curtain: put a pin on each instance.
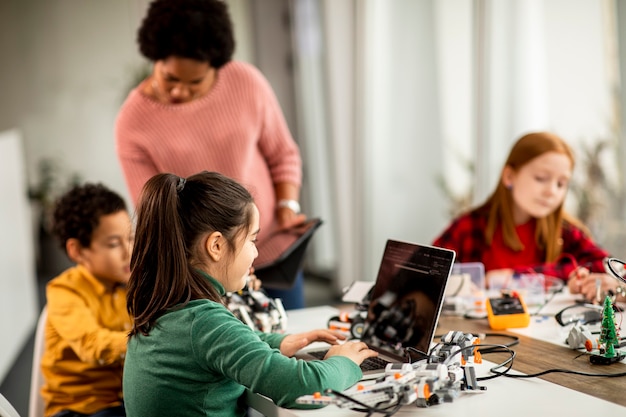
(374, 76)
(396, 95)
(511, 78)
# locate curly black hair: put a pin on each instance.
(77, 213)
(196, 29)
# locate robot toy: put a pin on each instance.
(432, 381)
(258, 311)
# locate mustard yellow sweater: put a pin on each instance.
(85, 343)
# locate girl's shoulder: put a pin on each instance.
(476, 217)
(194, 308)
(204, 305)
(198, 314)
(572, 228)
(208, 310)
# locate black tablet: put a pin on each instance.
(281, 256)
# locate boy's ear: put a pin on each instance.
(74, 249)
(215, 246)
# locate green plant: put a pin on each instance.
(137, 75)
(597, 196)
(48, 188)
(458, 202)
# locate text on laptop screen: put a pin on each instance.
(407, 297)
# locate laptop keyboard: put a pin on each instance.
(369, 364)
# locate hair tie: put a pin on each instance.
(181, 184)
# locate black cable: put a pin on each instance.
(458, 290)
(508, 362)
(612, 271)
(493, 348)
(349, 398)
(419, 352)
(483, 336)
(547, 301)
(550, 371)
(396, 404)
(395, 409)
(514, 340)
(487, 348)
(470, 316)
(367, 408)
(538, 374)
(591, 314)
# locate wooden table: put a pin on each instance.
(541, 347)
(534, 355)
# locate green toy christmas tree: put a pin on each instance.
(608, 334)
(609, 338)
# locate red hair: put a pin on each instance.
(500, 203)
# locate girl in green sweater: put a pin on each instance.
(187, 353)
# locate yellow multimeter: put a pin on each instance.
(507, 311)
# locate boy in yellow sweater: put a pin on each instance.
(88, 324)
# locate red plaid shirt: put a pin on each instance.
(466, 236)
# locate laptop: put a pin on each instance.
(404, 305)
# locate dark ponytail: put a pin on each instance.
(173, 215)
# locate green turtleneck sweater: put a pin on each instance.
(199, 359)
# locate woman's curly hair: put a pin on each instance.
(77, 213)
(196, 29)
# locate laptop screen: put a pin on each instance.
(406, 300)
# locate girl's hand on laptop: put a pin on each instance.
(357, 352)
(294, 342)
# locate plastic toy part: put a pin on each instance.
(351, 324)
(580, 336)
(454, 342)
(422, 383)
(258, 311)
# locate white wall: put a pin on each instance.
(67, 67)
(75, 62)
(545, 69)
(69, 63)
(18, 296)
(401, 127)
(72, 64)
(434, 86)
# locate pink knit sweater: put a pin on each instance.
(237, 129)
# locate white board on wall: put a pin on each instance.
(18, 293)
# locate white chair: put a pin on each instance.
(36, 404)
(6, 409)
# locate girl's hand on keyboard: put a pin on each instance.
(355, 351)
(294, 342)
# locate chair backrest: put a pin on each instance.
(36, 404)
(6, 409)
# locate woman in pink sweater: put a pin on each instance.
(199, 110)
